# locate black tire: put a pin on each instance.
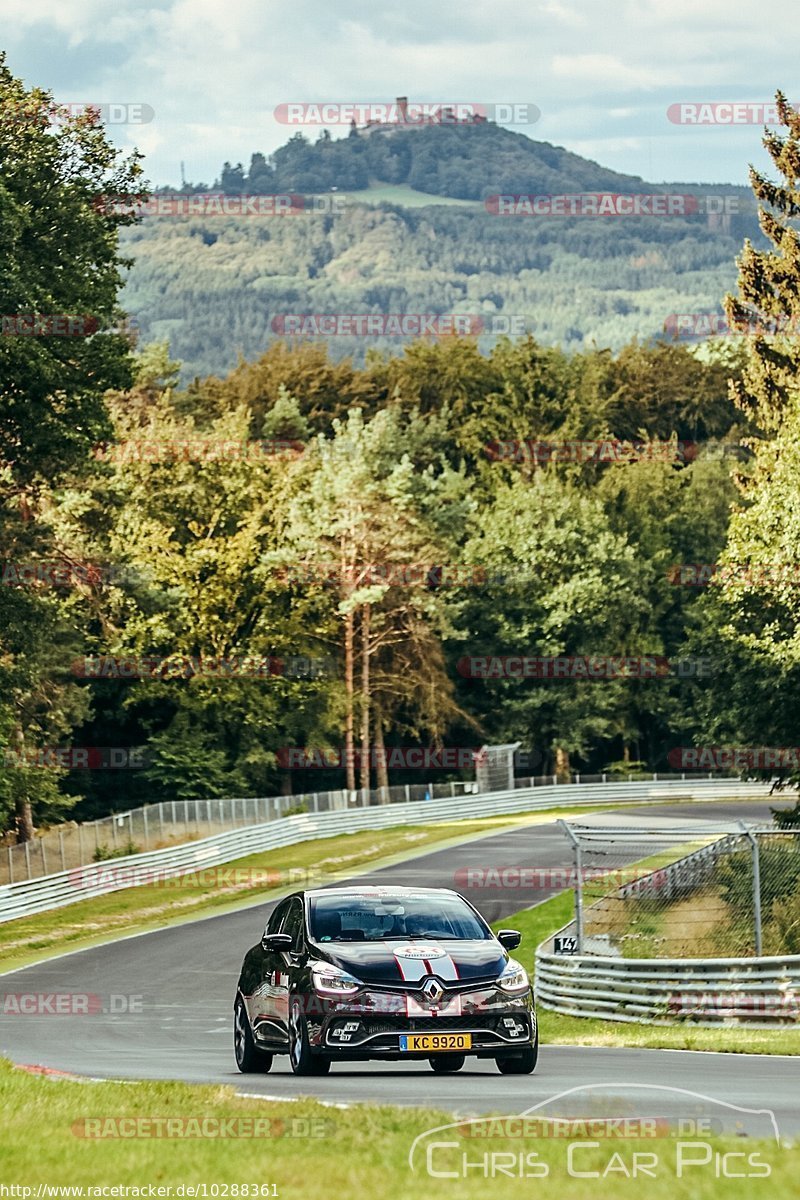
(520, 1064)
(446, 1064)
(248, 1058)
(302, 1058)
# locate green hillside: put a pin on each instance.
(215, 285)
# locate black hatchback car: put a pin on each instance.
(357, 973)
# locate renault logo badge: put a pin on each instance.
(432, 990)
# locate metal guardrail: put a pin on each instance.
(753, 992)
(171, 822)
(684, 874)
(658, 991)
(68, 887)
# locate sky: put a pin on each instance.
(603, 73)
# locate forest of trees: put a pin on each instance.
(217, 287)
(276, 515)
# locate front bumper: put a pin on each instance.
(370, 1023)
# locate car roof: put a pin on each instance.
(376, 892)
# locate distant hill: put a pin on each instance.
(409, 234)
(466, 162)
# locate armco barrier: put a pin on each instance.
(659, 991)
(757, 992)
(68, 887)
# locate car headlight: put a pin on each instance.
(333, 981)
(514, 978)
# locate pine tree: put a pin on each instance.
(769, 282)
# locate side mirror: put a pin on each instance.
(280, 942)
(509, 938)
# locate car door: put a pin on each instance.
(258, 983)
(286, 964)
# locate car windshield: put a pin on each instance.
(359, 918)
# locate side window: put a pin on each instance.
(277, 915)
(293, 924)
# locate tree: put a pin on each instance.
(60, 271)
(752, 614)
(769, 296)
(366, 515)
(561, 584)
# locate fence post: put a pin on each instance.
(753, 840)
(61, 848)
(80, 842)
(28, 858)
(146, 830)
(578, 885)
(44, 856)
(10, 866)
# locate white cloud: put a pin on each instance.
(213, 70)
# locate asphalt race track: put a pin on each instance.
(185, 978)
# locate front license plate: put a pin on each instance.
(430, 1043)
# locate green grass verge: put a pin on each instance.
(307, 1150)
(401, 193)
(544, 919)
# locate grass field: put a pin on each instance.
(61, 1133)
(401, 193)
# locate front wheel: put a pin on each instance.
(248, 1058)
(520, 1064)
(447, 1063)
(301, 1057)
